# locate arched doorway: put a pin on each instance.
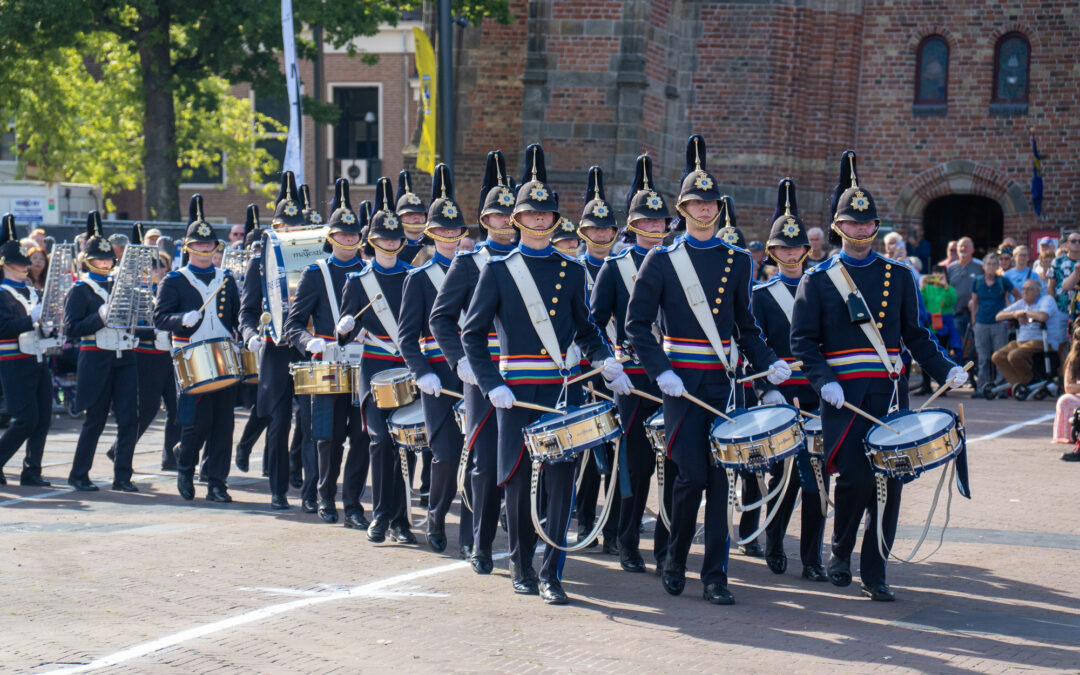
(954, 216)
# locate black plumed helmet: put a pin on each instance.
(97, 246)
(642, 200)
(496, 191)
(198, 229)
(385, 224)
(850, 200)
(311, 212)
(534, 194)
(406, 200)
(787, 229)
(444, 211)
(137, 234)
(596, 212)
(11, 249)
(729, 231)
(698, 183)
(288, 211)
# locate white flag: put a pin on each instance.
(294, 155)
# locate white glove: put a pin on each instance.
(781, 371)
(502, 397)
(465, 372)
(957, 377)
(620, 385)
(833, 394)
(190, 318)
(612, 369)
(670, 383)
(773, 397)
(103, 311)
(316, 345)
(255, 343)
(429, 384)
(35, 313)
(345, 324)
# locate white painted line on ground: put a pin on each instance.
(31, 498)
(376, 588)
(1011, 428)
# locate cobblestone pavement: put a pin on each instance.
(149, 583)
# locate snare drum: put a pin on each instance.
(393, 388)
(815, 440)
(249, 364)
(206, 366)
(926, 440)
(560, 438)
(459, 415)
(654, 430)
(757, 438)
(407, 427)
(320, 377)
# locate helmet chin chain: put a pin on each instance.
(386, 250)
(651, 235)
(853, 240)
(516, 223)
(703, 224)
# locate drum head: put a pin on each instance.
(914, 427)
(754, 423)
(812, 426)
(573, 414)
(411, 415)
(391, 375)
(656, 420)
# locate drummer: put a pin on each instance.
(647, 220)
(386, 275)
(495, 209)
(334, 418)
(248, 394)
(527, 371)
(446, 227)
(688, 362)
(196, 303)
(410, 209)
(598, 229)
(838, 336)
(772, 304)
(275, 395)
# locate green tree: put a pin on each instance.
(176, 47)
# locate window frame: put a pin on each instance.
(997, 71)
(918, 100)
(282, 136)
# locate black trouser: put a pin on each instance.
(296, 443)
(348, 424)
(119, 387)
(589, 494)
(558, 488)
(446, 448)
(640, 462)
(661, 535)
(157, 385)
(277, 443)
(309, 458)
(484, 479)
(213, 424)
(812, 529)
(28, 385)
(253, 428)
(388, 495)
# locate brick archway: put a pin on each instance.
(961, 177)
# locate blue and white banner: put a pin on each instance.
(294, 153)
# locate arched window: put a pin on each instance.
(1012, 57)
(932, 71)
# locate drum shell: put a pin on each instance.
(909, 460)
(408, 434)
(249, 362)
(562, 438)
(459, 415)
(321, 378)
(758, 452)
(654, 430)
(815, 438)
(392, 388)
(207, 366)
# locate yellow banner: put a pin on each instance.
(426, 69)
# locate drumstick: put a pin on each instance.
(367, 306)
(448, 392)
(703, 404)
(209, 299)
(647, 396)
(860, 411)
(541, 408)
(802, 412)
(943, 388)
(766, 373)
(585, 376)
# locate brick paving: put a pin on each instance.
(88, 576)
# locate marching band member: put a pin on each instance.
(700, 327)
(105, 378)
(565, 237)
(379, 323)
(528, 370)
(647, 220)
(334, 418)
(851, 314)
(26, 381)
(481, 426)
(275, 383)
(446, 227)
(410, 209)
(256, 424)
(303, 457)
(598, 229)
(198, 302)
(772, 304)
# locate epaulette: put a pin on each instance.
(671, 247)
(312, 267)
(80, 282)
(173, 274)
(895, 262)
(570, 258)
(414, 270)
(764, 284)
(735, 248)
(500, 258)
(822, 266)
(353, 275)
(621, 254)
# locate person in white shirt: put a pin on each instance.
(1032, 311)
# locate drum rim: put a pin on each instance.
(572, 412)
(415, 404)
(220, 378)
(735, 440)
(403, 371)
(870, 445)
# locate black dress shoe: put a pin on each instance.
(185, 486)
(840, 571)
(632, 561)
(673, 578)
(752, 550)
(242, 461)
(466, 552)
(355, 520)
(814, 573)
(552, 593)
(402, 535)
(524, 582)
(718, 594)
(33, 481)
(879, 592)
(279, 502)
(376, 532)
(436, 536)
(168, 466)
(611, 546)
(309, 506)
(481, 561)
(296, 479)
(328, 512)
(124, 486)
(777, 562)
(218, 493)
(1073, 456)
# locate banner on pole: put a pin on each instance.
(426, 69)
(294, 154)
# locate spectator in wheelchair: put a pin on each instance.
(1032, 312)
(1065, 427)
